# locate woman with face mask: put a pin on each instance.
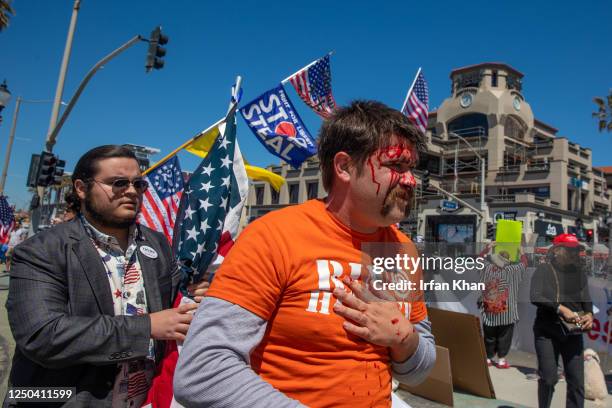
(559, 289)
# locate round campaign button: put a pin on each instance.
(148, 251)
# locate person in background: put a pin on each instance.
(17, 236)
(499, 302)
(71, 210)
(559, 289)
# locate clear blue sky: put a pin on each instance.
(562, 47)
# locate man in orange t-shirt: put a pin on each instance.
(290, 318)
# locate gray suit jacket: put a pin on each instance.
(60, 309)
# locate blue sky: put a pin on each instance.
(562, 48)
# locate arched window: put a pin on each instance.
(472, 124)
(515, 128)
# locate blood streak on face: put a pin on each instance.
(401, 154)
(374, 175)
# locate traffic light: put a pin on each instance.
(589, 235)
(50, 170)
(425, 180)
(33, 170)
(490, 231)
(156, 52)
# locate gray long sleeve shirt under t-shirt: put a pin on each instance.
(214, 370)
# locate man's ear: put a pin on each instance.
(343, 166)
(80, 187)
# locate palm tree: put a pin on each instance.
(5, 11)
(604, 113)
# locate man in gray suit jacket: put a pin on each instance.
(90, 300)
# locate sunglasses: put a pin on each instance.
(120, 184)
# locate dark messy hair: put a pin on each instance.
(359, 130)
(87, 168)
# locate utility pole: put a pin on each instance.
(59, 91)
(9, 146)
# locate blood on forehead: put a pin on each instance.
(401, 152)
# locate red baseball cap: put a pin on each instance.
(567, 240)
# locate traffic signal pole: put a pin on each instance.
(481, 214)
(52, 137)
(59, 91)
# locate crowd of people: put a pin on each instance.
(289, 319)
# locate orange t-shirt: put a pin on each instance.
(283, 268)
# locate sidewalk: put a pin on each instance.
(512, 388)
(7, 345)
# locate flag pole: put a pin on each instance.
(410, 90)
(284, 81)
(181, 147)
(235, 92)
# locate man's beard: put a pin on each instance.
(107, 220)
(397, 194)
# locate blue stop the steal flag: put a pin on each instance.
(278, 126)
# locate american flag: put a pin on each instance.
(134, 310)
(416, 104)
(161, 200)
(132, 274)
(137, 384)
(313, 84)
(211, 206)
(7, 220)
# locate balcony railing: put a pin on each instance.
(532, 167)
(476, 131)
(463, 186)
(502, 198)
(510, 169)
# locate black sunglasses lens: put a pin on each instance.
(121, 183)
(140, 185)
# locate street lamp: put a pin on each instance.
(5, 96)
(482, 179)
(9, 146)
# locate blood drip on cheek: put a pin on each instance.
(393, 153)
(373, 176)
(395, 178)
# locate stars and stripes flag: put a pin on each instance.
(206, 228)
(7, 220)
(132, 274)
(313, 85)
(162, 199)
(416, 105)
(134, 310)
(137, 384)
(211, 205)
